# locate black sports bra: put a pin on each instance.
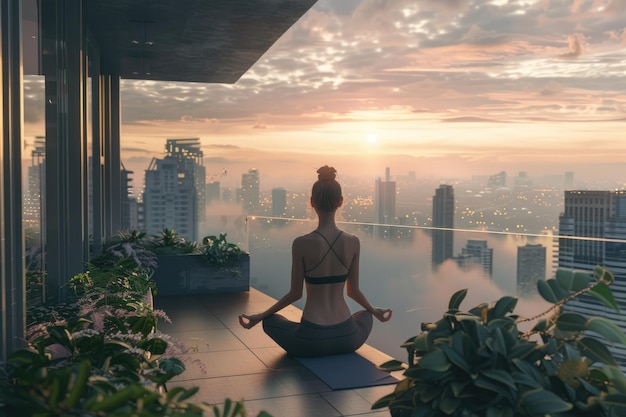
(332, 279)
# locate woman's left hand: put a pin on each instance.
(249, 321)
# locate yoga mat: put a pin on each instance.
(349, 370)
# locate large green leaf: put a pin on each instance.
(571, 280)
(607, 329)
(571, 322)
(603, 275)
(614, 375)
(435, 361)
(500, 412)
(392, 365)
(617, 401)
(504, 306)
(546, 292)
(501, 376)
(541, 402)
(604, 294)
(456, 299)
(449, 405)
(456, 358)
(429, 393)
(596, 351)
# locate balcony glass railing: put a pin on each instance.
(397, 270)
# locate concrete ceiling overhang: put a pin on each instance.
(209, 41)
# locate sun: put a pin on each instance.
(372, 138)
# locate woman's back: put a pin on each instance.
(327, 257)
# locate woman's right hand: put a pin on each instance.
(249, 321)
(382, 314)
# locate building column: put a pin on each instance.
(64, 64)
(12, 267)
(112, 159)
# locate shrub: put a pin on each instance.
(101, 354)
(478, 363)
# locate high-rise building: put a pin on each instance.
(497, 180)
(175, 189)
(601, 217)
(476, 252)
(385, 204)
(130, 206)
(213, 192)
(35, 190)
(250, 193)
(279, 202)
(522, 181)
(443, 218)
(569, 180)
(531, 267)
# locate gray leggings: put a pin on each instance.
(306, 339)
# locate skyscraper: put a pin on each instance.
(130, 206)
(212, 192)
(531, 267)
(600, 216)
(250, 191)
(279, 202)
(476, 252)
(569, 180)
(385, 204)
(443, 217)
(175, 189)
(35, 190)
(497, 180)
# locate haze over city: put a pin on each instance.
(442, 88)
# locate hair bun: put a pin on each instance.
(326, 173)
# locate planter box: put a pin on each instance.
(191, 274)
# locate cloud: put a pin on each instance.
(577, 45)
(470, 119)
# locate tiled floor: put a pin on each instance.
(227, 361)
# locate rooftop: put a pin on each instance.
(227, 361)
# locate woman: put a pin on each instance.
(326, 260)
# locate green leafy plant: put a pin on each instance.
(218, 251)
(168, 242)
(479, 363)
(101, 355)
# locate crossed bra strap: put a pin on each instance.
(329, 279)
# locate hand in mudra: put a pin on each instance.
(382, 314)
(248, 321)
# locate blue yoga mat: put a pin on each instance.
(345, 371)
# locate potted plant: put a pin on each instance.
(213, 266)
(101, 354)
(481, 363)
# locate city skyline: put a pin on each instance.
(443, 88)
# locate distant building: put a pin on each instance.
(443, 217)
(497, 181)
(250, 192)
(175, 189)
(130, 206)
(35, 192)
(522, 181)
(531, 267)
(569, 180)
(279, 202)
(212, 192)
(476, 252)
(600, 216)
(385, 202)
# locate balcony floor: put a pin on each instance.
(227, 361)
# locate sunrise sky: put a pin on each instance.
(440, 87)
